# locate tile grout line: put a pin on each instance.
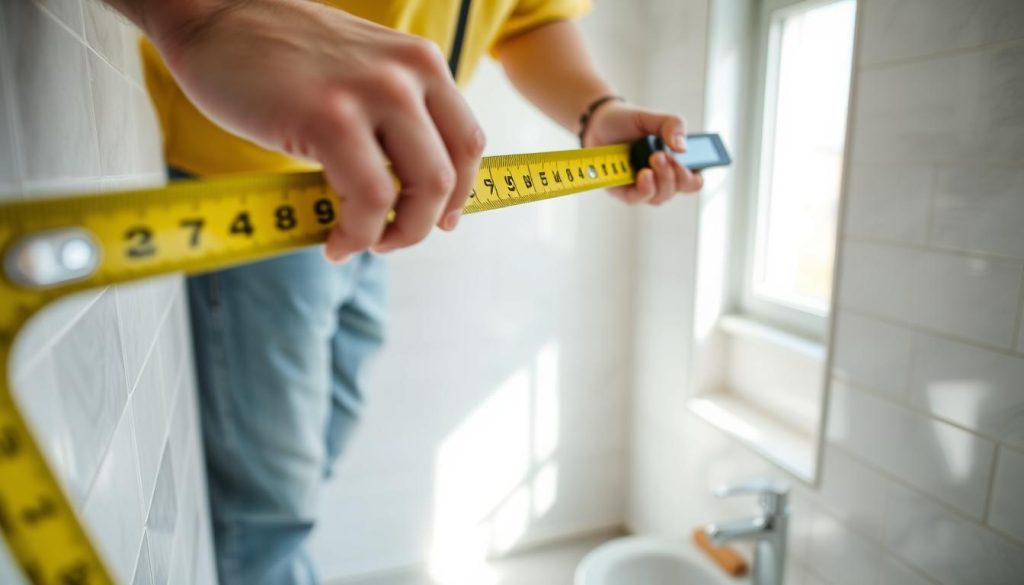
(106, 448)
(933, 248)
(942, 54)
(946, 507)
(64, 328)
(93, 81)
(85, 41)
(990, 487)
(1007, 351)
(913, 408)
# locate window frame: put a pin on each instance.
(776, 312)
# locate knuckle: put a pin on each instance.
(377, 197)
(440, 182)
(475, 143)
(392, 85)
(427, 56)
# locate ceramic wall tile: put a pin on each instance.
(896, 109)
(1007, 508)
(907, 29)
(961, 295)
(947, 547)
(889, 201)
(979, 208)
(55, 124)
(871, 353)
(976, 388)
(113, 507)
(112, 104)
(945, 461)
(91, 383)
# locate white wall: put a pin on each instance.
(106, 377)
(923, 462)
(496, 413)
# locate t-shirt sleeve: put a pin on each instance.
(530, 14)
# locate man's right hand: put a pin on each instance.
(316, 82)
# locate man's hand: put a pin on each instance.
(316, 82)
(616, 122)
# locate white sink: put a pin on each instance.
(640, 560)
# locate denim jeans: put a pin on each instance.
(281, 347)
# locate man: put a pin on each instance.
(352, 85)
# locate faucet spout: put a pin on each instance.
(749, 528)
(767, 530)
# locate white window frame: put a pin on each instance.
(800, 320)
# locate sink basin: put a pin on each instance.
(639, 560)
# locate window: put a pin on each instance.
(800, 126)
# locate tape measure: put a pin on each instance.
(54, 247)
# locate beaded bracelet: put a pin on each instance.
(589, 112)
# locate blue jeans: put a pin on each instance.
(281, 347)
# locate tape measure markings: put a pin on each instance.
(189, 227)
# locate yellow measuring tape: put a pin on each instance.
(54, 247)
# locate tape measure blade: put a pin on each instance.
(188, 227)
(40, 526)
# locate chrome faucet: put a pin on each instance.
(767, 530)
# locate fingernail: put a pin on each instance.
(452, 220)
(679, 141)
(659, 159)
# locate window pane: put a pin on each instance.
(804, 131)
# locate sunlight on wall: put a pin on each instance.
(967, 395)
(496, 472)
(726, 420)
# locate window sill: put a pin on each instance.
(790, 448)
(766, 392)
(742, 326)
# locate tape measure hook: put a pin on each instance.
(52, 257)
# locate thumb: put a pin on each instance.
(671, 129)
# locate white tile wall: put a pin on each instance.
(904, 29)
(872, 353)
(90, 372)
(1007, 510)
(897, 108)
(1020, 329)
(895, 572)
(960, 295)
(940, 459)
(946, 546)
(976, 388)
(979, 208)
(10, 176)
(889, 202)
(55, 125)
(922, 468)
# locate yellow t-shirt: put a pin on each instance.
(195, 144)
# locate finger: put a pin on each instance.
(640, 191)
(356, 169)
(465, 142)
(671, 129)
(421, 161)
(687, 181)
(664, 178)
